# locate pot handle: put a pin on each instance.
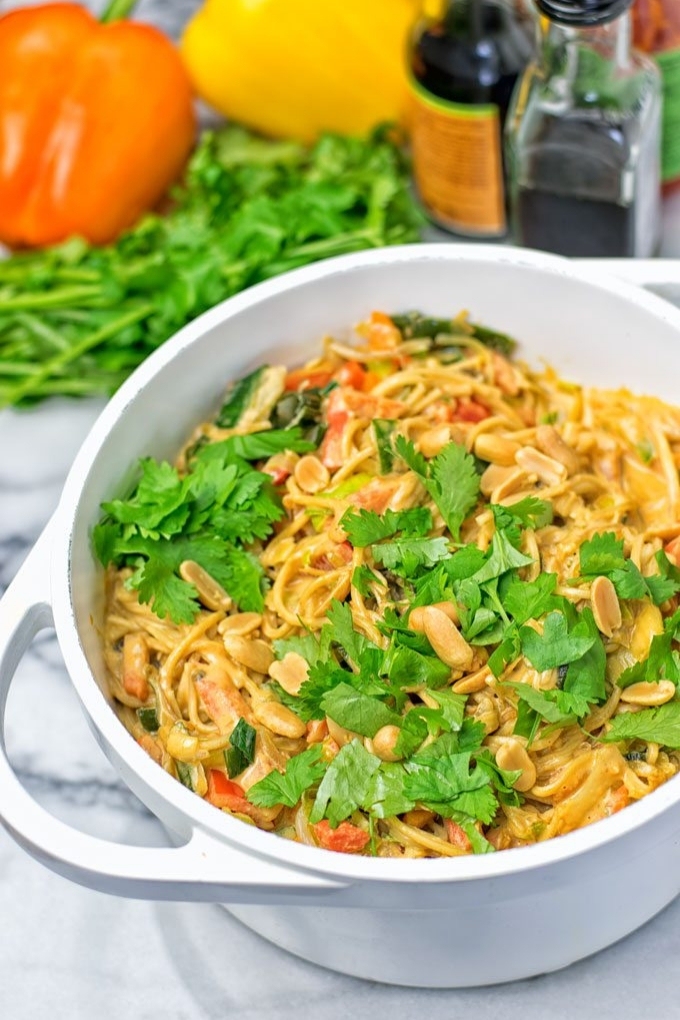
(202, 869)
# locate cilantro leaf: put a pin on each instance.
(357, 711)
(532, 512)
(585, 678)
(454, 485)
(157, 585)
(450, 479)
(306, 645)
(257, 445)
(548, 704)
(446, 783)
(662, 663)
(346, 784)
(507, 651)
(557, 645)
(530, 600)
(364, 527)
(385, 796)
(302, 771)
(603, 555)
(363, 579)
(321, 679)
(343, 633)
(241, 751)
(405, 556)
(158, 504)
(406, 666)
(502, 557)
(657, 725)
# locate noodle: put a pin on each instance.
(604, 462)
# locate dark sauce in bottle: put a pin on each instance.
(471, 59)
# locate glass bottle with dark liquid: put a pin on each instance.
(464, 66)
(584, 137)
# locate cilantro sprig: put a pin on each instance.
(450, 479)
(210, 516)
(603, 556)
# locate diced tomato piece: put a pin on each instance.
(376, 495)
(317, 731)
(366, 405)
(672, 550)
(381, 332)
(305, 379)
(469, 409)
(225, 793)
(346, 839)
(457, 836)
(340, 556)
(352, 374)
(277, 475)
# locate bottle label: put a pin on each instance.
(669, 63)
(457, 162)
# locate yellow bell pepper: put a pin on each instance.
(294, 68)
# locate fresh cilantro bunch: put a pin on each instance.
(76, 319)
(210, 515)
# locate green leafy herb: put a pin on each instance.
(238, 397)
(385, 796)
(364, 579)
(365, 527)
(662, 663)
(356, 711)
(206, 517)
(148, 719)
(557, 644)
(405, 557)
(346, 785)
(603, 556)
(451, 480)
(383, 429)
(530, 600)
(77, 319)
(302, 771)
(656, 725)
(450, 783)
(502, 557)
(530, 512)
(241, 751)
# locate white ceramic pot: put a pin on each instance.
(437, 923)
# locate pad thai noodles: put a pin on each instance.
(412, 599)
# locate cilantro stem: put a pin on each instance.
(30, 385)
(65, 296)
(116, 10)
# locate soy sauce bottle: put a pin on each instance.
(463, 68)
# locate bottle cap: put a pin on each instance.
(583, 13)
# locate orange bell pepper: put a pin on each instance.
(96, 120)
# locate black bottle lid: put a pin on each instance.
(583, 13)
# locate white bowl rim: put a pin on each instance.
(192, 808)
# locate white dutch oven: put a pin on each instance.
(437, 923)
